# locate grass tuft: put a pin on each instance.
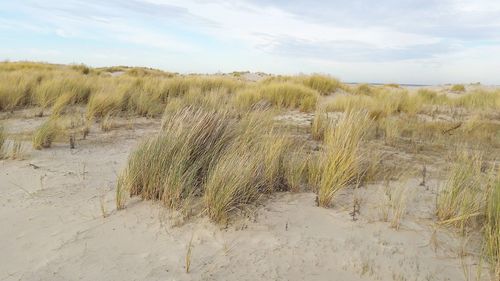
(45, 135)
(461, 200)
(338, 164)
(3, 138)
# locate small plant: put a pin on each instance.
(86, 129)
(17, 151)
(2, 142)
(102, 203)
(399, 197)
(120, 195)
(107, 123)
(45, 135)
(189, 253)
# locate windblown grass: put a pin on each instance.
(492, 226)
(379, 103)
(281, 95)
(234, 181)
(461, 201)
(16, 89)
(77, 89)
(319, 124)
(45, 135)
(211, 154)
(338, 164)
(16, 150)
(477, 100)
(325, 85)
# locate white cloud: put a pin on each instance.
(389, 40)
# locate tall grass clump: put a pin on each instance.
(109, 98)
(319, 124)
(379, 104)
(289, 95)
(461, 200)
(278, 94)
(173, 165)
(338, 164)
(478, 100)
(254, 164)
(45, 135)
(325, 85)
(16, 89)
(234, 181)
(458, 88)
(225, 159)
(78, 88)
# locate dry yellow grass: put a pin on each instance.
(338, 164)
(226, 160)
(45, 135)
(279, 94)
(219, 148)
(325, 85)
(458, 88)
(492, 226)
(462, 198)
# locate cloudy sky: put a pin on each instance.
(403, 41)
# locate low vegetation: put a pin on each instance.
(45, 135)
(223, 145)
(2, 142)
(458, 88)
(214, 155)
(338, 163)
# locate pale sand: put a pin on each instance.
(53, 229)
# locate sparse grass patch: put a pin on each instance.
(398, 200)
(16, 150)
(45, 135)
(3, 138)
(107, 123)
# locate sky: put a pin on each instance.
(385, 41)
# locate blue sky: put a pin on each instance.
(403, 41)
